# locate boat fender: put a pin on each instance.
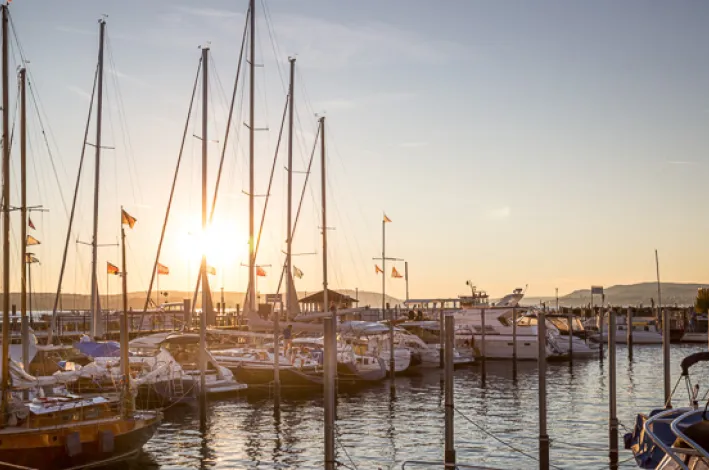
(106, 441)
(73, 444)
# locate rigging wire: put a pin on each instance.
(73, 206)
(172, 189)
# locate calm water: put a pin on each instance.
(380, 432)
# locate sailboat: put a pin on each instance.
(60, 432)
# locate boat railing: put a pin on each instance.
(667, 449)
(16, 467)
(453, 466)
(674, 426)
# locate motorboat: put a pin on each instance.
(355, 366)
(373, 338)
(422, 338)
(256, 367)
(645, 331)
(185, 349)
(500, 338)
(696, 331)
(673, 438)
(558, 326)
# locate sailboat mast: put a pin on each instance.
(23, 194)
(125, 361)
(289, 241)
(323, 182)
(252, 93)
(96, 326)
(4, 387)
(203, 269)
(330, 341)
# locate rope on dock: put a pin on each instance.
(520, 451)
(346, 453)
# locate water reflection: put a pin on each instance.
(378, 429)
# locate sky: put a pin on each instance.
(548, 144)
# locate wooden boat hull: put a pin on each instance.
(80, 445)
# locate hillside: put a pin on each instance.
(636, 294)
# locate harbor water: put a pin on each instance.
(496, 423)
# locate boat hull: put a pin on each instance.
(56, 448)
(289, 377)
(348, 373)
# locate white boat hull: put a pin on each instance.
(695, 338)
(639, 337)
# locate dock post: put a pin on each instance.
(186, 315)
(25, 337)
(330, 361)
(277, 348)
(613, 424)
(629, 325)
(441, 337)
(600, 333)
(542, 359)
(664, 313)
(482, 347)
(571, 336)
(392, 360)
(514, 335)
(449, 406)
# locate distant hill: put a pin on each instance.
(636, 294)
(136, 300)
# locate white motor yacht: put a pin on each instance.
(499, 334)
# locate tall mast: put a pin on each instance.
(329, 341)
(252, 92)
(96, 326)
(125, 365)
(4, 387)
(203, 268)
(23, 194)
(289, 240)
(324, 213)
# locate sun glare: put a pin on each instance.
(220, 244)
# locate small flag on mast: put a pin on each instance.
(297, 272)
(386, 219)
(32, 240)
(162, 269)
(127, 219)
(112, 268)
(395, 273)
(30, 258)
(260, 271)
(212, 270)
(377, 269)
(31, 225)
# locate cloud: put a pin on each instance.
(69, 29)
(413, 145)
(500, 213)
(336, 104)
(367, 44)
(681, 162)
(208, 12)
(80, 92)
